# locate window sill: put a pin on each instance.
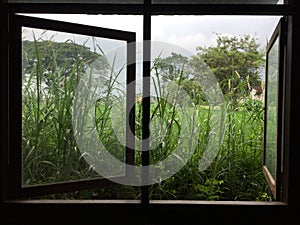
(152, 202)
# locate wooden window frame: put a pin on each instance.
(15, 159)
(283, 211)
(275, 182)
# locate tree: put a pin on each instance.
(59, 58)
(235, 61)
(176, 67)
(171, 67)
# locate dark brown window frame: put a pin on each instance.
(15, 161)
(263, 212)
(275, 182)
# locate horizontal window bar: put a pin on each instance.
(160, 9)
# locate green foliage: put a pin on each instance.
(62, 57)
(231, 55)
(170, 67)
(236, 173)
(51, 72)
(194, 90)
(210, 190)
(175, 66)
(50, 154)
(253, 105)
(55, 54)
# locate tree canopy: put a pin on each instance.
(59, 57)
(235, 61)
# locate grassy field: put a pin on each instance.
(235, 173)
(50, 153)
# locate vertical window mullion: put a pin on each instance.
(130, 98)
(4, 103)
(15, 106)
(146, 103)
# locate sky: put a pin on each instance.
(180, 34)
(185, 31)
(192, 31)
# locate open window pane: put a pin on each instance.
(272, 108)
(69, 79)
(273, 155)
(54, 63)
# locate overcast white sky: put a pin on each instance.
(179, 34)
(184, 31)
(192, 31)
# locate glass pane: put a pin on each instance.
(78, 1)
(219, 62)
(272, 102)
(218, 1)
(69, 85)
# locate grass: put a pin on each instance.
(236, 172)
(50, 153)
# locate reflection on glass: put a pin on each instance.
(272, 101)
(52, 66)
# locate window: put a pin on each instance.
(273, 162)
(46, 110)
(200, 40)
(12, 140)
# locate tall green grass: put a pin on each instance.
(49, 150)
(236, 172)
(50, 153)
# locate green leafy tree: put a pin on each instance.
(59, 57)
(194, 90)
(175, 66)
(235, 61)
(171, 67)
